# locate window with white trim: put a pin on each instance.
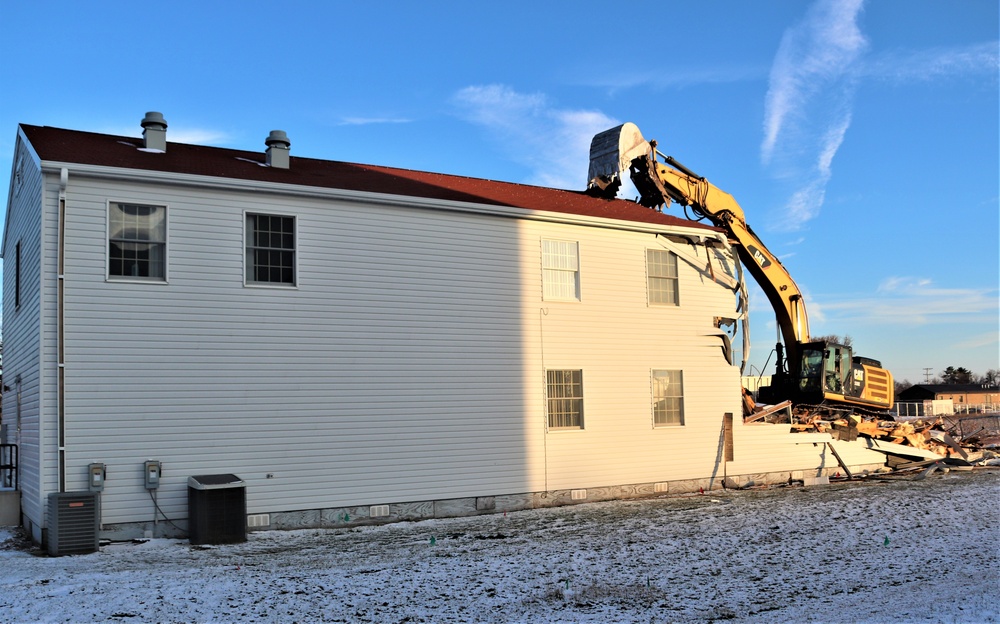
(661, 275)
(270, 249)
(564, 389)
(137, 241)
(561, 270)
(668, 398)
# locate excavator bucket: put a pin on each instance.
(611, 153)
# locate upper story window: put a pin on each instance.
(661, 274)
(561, 270)
(270, 248)
(137, 241)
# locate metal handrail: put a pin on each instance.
(9, 472)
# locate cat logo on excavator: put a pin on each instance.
(759, 257)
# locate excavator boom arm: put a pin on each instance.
(817, 371)
(719, 207)
(659, 183)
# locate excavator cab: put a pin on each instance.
(826, 367)
(831, 372)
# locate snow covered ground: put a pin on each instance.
(893, 549)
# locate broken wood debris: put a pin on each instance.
(783, 410)
(919, 443)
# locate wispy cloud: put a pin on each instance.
(179, 134)
(820, 64)
(907, 300)
(978, 341)
(807, 110)
(365, 121)
(896, 284)
(816, 309)
(677, 78)
(553, 142)
(198, 136)
(908, 66)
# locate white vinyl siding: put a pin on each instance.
(425, 319)
(561, 270)
(668, 398)
(617, 338)
(26, 332)
(401, 318)
(408, 364)
(661, 271)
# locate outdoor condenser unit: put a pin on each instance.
(217, 509)
(73, 523)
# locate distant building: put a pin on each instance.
(959, 394)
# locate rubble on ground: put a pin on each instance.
(955, 442)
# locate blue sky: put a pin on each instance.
(861, 138)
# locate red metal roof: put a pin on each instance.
(73, 146)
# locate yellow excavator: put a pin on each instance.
(808, 372)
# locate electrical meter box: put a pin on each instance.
(98, 474)
(151, 472)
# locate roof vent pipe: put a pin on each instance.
(277, 149)
(154, 131)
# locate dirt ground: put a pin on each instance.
(887, 549)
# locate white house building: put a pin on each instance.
(357, 343)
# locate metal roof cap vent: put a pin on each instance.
(154, 131)
(277, 149)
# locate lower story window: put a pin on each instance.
(565, 398)
(270, 249)
(668, 398)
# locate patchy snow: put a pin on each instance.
(889, 549)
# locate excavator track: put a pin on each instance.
(834, 410)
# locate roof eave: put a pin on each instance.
(21, 139)
(258, 186)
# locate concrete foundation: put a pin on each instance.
(341, 517)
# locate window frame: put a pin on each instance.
(655, 282)
(666, 421)
(17, 276)
(549, 290)
(164, 244)
(249, 265)
(575, 383)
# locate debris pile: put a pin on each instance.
(952, 441)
